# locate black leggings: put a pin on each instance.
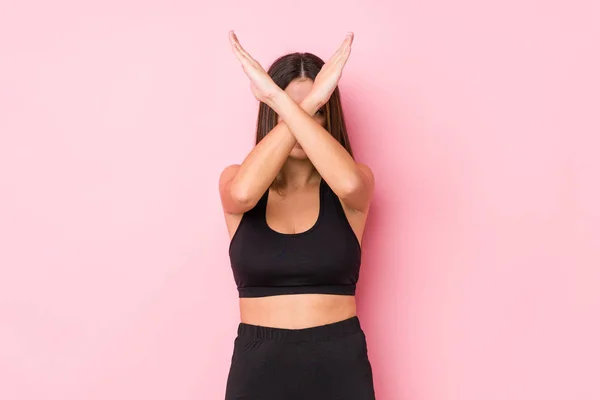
(326, 362)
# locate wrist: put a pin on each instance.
(276, 99)
(311, 104)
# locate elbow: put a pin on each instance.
(361, 180)
(358, 181)
(241, 197)
(352, 185)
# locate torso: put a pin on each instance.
(293, 214)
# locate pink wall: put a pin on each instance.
(481, 264)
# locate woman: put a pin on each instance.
(295, 210)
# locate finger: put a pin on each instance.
(239, 54)
(343, 49)
(340, 48)
(347, 41)
(335, 57)
(248, 57)
(343, 58)
(350, 37)
(235, 43)
(346, 44)
(340, 56)
(243, 51)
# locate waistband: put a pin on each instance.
(315, 333)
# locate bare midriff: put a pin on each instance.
(296, 311)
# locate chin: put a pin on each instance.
(298, 154)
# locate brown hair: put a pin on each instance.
(284, 70)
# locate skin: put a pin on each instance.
(304, 151)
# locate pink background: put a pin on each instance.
(480, 276)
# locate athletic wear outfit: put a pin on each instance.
(327, 362)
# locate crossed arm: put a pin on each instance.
(351, 181)
(241, 186)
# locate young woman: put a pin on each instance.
(295, 210)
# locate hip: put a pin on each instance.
(321, 362)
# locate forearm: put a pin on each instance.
(263, 163)
(328, 156)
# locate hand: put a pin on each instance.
(327, 79)
(261, 84)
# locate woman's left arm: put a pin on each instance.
(352, 182)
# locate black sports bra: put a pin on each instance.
(324, 259)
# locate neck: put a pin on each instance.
(299, 173)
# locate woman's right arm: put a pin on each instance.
(241, 186)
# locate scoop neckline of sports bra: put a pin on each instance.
(312, 228)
